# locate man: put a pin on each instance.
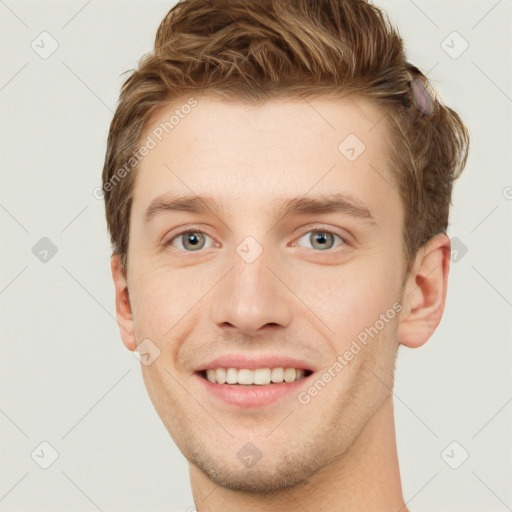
(277, 186)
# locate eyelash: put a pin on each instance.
(314, 230)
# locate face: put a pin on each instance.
(260, 276)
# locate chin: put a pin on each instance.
(265, 477)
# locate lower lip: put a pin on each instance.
(253, 395)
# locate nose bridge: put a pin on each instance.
(250, 296)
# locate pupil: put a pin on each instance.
(322, 238)
(193, 240)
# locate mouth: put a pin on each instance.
(251, 388)
(254, 377)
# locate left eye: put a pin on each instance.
(322, 239)
(192, 241)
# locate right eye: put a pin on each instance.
(194, 240)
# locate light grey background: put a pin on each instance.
(65, 376)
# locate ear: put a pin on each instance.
(123, 308)
(425, 292)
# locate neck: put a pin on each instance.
(366, 477)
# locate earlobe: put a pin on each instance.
(124, 315)
(425, 292)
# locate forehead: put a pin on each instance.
(258, 153)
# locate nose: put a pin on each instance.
(252, 297)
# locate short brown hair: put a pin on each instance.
(256, 50)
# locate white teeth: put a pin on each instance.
(289, 375)
(259, 376)
(245, 377)
(277, 374)
(220, 375)
(231, 376)
(262, 376)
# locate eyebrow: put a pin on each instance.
(304, 205)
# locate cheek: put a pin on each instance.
(164, 297)
(155, 305)
(352, 297)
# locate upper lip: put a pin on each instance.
(252, 362)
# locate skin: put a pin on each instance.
(306, 300)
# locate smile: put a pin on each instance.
(257, 377)
(248, 388)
